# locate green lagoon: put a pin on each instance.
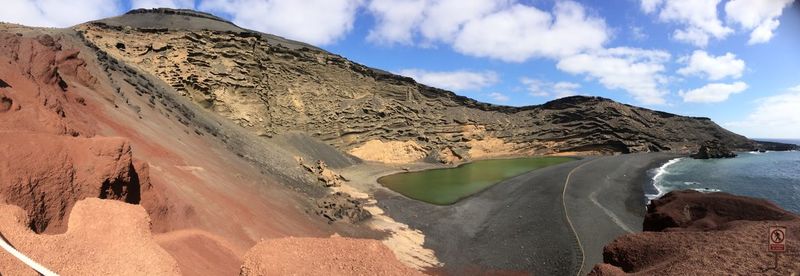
(447, 186)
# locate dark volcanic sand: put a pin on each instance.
(602, 184)
(518, 225)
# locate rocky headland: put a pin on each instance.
(689, 232)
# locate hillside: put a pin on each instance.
(269, 86)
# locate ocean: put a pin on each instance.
(774, 176)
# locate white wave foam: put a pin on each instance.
(660, 172)
(707, 190)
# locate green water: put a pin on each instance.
(446, 186)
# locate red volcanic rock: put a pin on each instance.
(693, 210)
(38, 74)
(104, 237)
(323, 256)
(708, 234)
(46, 174)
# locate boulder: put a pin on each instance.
(341, 207)
(713, 149)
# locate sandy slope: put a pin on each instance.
(104, 237)
(323, 256)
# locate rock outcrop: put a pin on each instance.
(688, 232)
(693, 210)
(773, 146)
(52, 156)
(341, 207)
(47, 174)
(323, 256)
(712, 150)
(271, 85)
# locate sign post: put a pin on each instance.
(777, 241)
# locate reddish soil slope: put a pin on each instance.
(70, 129)
(104, 237)
(322, 256)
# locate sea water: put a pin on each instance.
(774, 176)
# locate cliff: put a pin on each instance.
(270, 85)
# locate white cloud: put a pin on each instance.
(461, 80)
(637, 33)
(759, 16)
(174, 4)
(56, 13)
(445, 18)
(775, 117)
(318, 22)
(637, 71)
(522, 32)
(499, 29)
(698, 18)
(714, 68)
(395, 19)
(649, 6)
(498, 97)
(712, 92)
(540, 88)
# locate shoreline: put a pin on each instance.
(517, 225)
(606, 199)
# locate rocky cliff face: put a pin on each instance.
(270, 85)
(688, 232)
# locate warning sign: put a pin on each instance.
(777, 239)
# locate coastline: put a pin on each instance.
(606, 199)
(519, 224)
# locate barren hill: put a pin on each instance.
(270, 85)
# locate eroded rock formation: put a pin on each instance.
(341, 207)
(270, 86)
(713, 149)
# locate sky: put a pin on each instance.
(734, 61)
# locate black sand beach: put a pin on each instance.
(519, 225)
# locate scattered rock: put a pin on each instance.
(713, 149)
(327, 176)
(341, 207)
(159, 46)
(5, 103)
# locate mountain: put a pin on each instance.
(270, 85)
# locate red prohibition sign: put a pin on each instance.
(777, 236)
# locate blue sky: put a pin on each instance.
(733, 61)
